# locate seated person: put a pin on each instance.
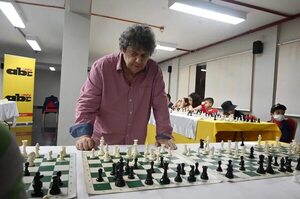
(194, 101)
(229, 109)
(206, 107)
(286, 125)
(181, 103)
(169, 100)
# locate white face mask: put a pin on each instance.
(279, 117)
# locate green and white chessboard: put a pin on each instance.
(49, 169)
(251, 165)
(91, 167)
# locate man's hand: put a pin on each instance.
(85, 143)
(168, 143)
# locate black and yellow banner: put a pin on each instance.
(18, 84)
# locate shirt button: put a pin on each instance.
(130, 112)
(130, 100)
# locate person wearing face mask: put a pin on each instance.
(286, 125)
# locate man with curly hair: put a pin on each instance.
(116, 99)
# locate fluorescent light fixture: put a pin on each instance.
(11, 13)
(208, 10)
(34, 44)
(165, 46)
(203, 70)
(52, 68)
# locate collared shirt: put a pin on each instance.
(108, 106)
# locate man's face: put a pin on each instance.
(135, 59)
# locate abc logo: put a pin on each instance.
(18, 98)
(18, 71)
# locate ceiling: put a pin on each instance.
(187, 31)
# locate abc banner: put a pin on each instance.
(18, 84)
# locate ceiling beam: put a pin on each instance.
(258, 8)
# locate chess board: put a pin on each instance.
(91, 166)
(251, 165)
(49, 169)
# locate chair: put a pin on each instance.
(51, 105)
(293, 124)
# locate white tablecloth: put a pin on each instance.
(8, 111)
(181, 123)
(272, 188)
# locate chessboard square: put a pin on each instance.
(142, 176)
(26, 185)
(95, 158)
(46, 173)
(28, 179)
(172, 175)
(61, 168)
(251, 173)
(62, 163)
(46, 168)
(134, 184)
(95, 170)
(66, 172)
(95, 174)
(94, 161)
(64, 177)
(47, 184)
(48, 163)
(107, 165)
(107, 169)
(95, 165)
(45, 191)
(111, 179)
(38, 160)
(33, 170)
(46, 179)
(212, 167)
(65, 183)
(102, 187)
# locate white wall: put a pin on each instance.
(264, 74)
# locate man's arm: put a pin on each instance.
(161, 112)
(87, 107)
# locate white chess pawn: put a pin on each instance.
(184, 150)
(117, 151)
(229, 151)
(146, 159)
(135, 148)
(243, 150)
(220, 152)
(157, 161)
(101, 146)
(37, 149)
(188, 153)
(106, 157)
(63, 148)
(277, 141)
(259, 140)
(198, 151)
(129, 153)
(152, 155)
(62, 155)
(162, 150)
(222, 146)
(49, 158)
(24, 152)
(92, 154)
(146, 149)
(212, 152)
(236, 153)
(31, 158)
(169, 152)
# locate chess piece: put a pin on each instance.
(135, 165)
(201, 143)
(55, 190)
(229, 173)
(106, 157)
(99, 179)
(37, 149)
(182, 169)
(197, 172)
(165, 179)
(178, 177)
(120, 182)
(282, 164)
(185, 150)
(127, 168)
(62, 156)
(169, 152)
(288, 165)
(192, 177)
(58, 174)
(242, 144)
(30, 159)
(37, 185)
(204, 175)
(298, 164)
(24, 145)
(92, 156)
(49, 158)
(219, 167)
(161, 165)
(131, 173)
(259, 140)
(26, 171)
(269, 167)
(151, 167)
(251, 156)
(275, 161)
(242, 163)
(113, 171)
(261, 169)
(222, 146)
(101, 146)
(149, 178)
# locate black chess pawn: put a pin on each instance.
(151, 168)
(229, 173)
(37, 185)
(161, 165)
(58, 174)
(55, 190)
(289, 166)
(127, 168)
(298, 164)
(242, 159)
(261, 169)
(131, 173)
(242, 167)
(113, 171)
(282, 165)
(197, 172)
(242, 144)
(269, 167)
(182, 169)
(149, 178)
(120, 182)
(192, 177)
(215, 117)
(26, 171)
(201, 143)
(178, 177)
(165, 179)
(219, 167)
(275, 161)
(204, 175)
(251, 156)
(99, 178)
(135, 165)
(258, 120)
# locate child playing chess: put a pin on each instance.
(206, 107)
(287, 125)
(11, 171)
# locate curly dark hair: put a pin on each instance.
(138, 36)
(196, 100)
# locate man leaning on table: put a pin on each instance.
(116, 99)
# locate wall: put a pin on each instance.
(264, 74)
